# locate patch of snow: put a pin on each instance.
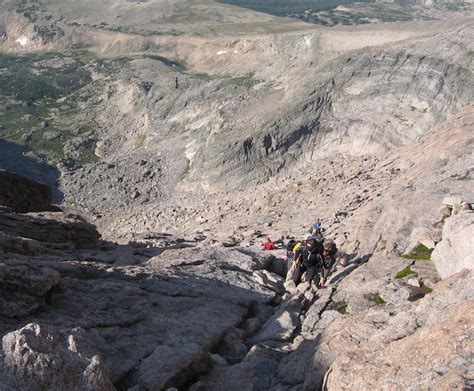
(23, 40)
(220, 52)
(191, 150)
(354, 90)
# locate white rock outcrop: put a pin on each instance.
(456, 251)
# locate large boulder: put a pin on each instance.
(456, 251)
(35, 359)
(24, 195)
(23, 287)
(49, 229)
(172, 366)
(282, 325)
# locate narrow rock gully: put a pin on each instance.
(250, 354)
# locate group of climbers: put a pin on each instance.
(313, 257)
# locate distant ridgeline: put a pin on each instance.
(290, 7)
(327, 12)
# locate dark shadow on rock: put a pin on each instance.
(339, 276)
(354, 264)
(129, 312)
(147, 309)
(16, 159)
(303, 365)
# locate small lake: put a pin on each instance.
(174, 64)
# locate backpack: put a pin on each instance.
(291, 250)
(296, 247)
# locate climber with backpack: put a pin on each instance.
(291, 248)
(307, 260)
(316, 228)
(329, 259)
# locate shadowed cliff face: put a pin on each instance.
(20, 160)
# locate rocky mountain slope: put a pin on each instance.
(82, 313)
(186, 137)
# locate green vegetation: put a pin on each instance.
(285, 7)
(419, 292)
(28, 10)
(420, 252)
(29, 78)
(48, 33)
(244, 81)
(87, 154)
(324, 12)
(41, 99)
(45, 29)
(378, 299)
(223, 116)
(341, 307)
(110, 92)
(202, 76)
(403, 273)
(113, 66)
(425, 289)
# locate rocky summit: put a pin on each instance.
(150, 149)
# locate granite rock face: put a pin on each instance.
(46, 231)
(435, 352)
(102, 316)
